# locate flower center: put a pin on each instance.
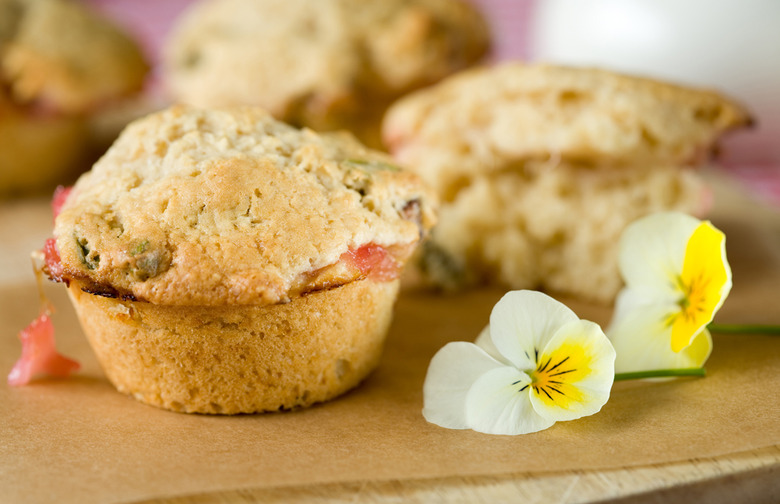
(694, 302)
(555, 379)
(548, 379)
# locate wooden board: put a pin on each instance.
(78, 440)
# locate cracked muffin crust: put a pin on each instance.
(212, 207)
(223, 262)
(329, 64)
(539, 169)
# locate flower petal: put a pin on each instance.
(451, 373)
(706, 279)
(654, 310)
(575, 374)
(652, 250)
(522, 322)
(641, 335)
(499, 403)
(485, 342)
(697, 353)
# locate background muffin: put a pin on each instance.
(59, 65)
(329, 64)
(540, 168)
(223, 262)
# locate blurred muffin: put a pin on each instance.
(59, 64)
(329, 64)
(37, 150)
(223, 262)
(540, 168)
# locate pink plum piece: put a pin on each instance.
(61, 194)
(39, 355)
(374, 261)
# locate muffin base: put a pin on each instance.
(239, 358)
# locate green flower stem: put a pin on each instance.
(660, 373)
(744, 328)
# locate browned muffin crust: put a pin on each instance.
(213, 207)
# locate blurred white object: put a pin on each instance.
(729, 45)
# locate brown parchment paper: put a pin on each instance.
(78, 440)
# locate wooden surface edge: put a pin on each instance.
(758, 486)
(718, 479)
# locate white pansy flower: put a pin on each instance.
(535, 364)
(677, 277)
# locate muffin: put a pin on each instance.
(38, 150)
(328, 65)
(223, 262)
(59, 65)
(540, 168)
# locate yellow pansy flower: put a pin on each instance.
(677, 277)
(535, 364)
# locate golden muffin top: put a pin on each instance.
(229, 206)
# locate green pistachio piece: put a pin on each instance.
(90, 258)
(140, 248)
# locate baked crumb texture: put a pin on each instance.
(540, 168)
(240, 359)
(59, 63)
(227, 207)
(328, 65)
